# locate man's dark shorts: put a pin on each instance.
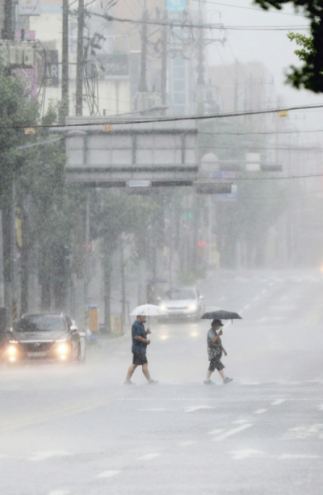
(139, 359)
(216, 364)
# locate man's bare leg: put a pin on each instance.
(146, 372)
(130, 372)
(208, 375)
(222, 374)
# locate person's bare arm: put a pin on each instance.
(141, 339)
(148, 331)
(215, 339)
(225, 352)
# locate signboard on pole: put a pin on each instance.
(175, 5)
(29, 7)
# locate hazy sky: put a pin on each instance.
(273, 48)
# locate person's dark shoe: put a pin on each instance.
(208, 382)
(153, 382)
(227, 380)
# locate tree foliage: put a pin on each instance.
(310, 75)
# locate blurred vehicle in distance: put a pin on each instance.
(181, 303)
(44, 336)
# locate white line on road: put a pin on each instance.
(277, 402)
(186, 444)
(239, 422)
(197, 408)
(40, 456)
(148, 457)
(60, 492)
(260, 411)
(107, 474)
(216, 432)
(245, 454)
(320, 408)
(231, 432)
(247, 307)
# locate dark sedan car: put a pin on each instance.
(44, 336)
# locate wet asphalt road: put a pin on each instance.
(78, 430)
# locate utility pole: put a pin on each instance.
(164, 61)
(65, 58)
(143, 68)
(87, 263)
(8, 24)
(200, 65)
(123, 284)
(80, 59)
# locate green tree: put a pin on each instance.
(310, 75)
(16, 111)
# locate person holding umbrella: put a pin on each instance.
(215, 349)
(139, 348)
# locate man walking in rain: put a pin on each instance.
(215, 349)
(139, 348)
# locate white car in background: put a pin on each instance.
(181, 303)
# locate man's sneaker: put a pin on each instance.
(129, 383)
(153, 382)
(227, 380)
(208, 382)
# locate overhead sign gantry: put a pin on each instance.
(101, 155)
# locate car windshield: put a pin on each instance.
(41, 323)
(179, 294)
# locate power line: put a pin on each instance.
(249, 8)
(259, 133)
(287, 177)
(170, 119)
(184, 24)
(295, 148)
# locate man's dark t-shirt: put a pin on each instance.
(138, 329)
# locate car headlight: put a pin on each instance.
(63, 349)
(163, 307)
(12, 350)
(192, 307)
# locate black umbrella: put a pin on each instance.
(221, 315)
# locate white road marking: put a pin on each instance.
(298, 456)
(256, 298)
(232, 432)
(148, 457)
(60, 492)
(260, 411)
(197, 408)
(40, 456)
(239, 422)
(263, 291)
(245, 454)
(261, 320)
(216, 432)
(107, 474)
(320, 408)
(277, 402)
(247, 307)
(186, 444)
(315, 431)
